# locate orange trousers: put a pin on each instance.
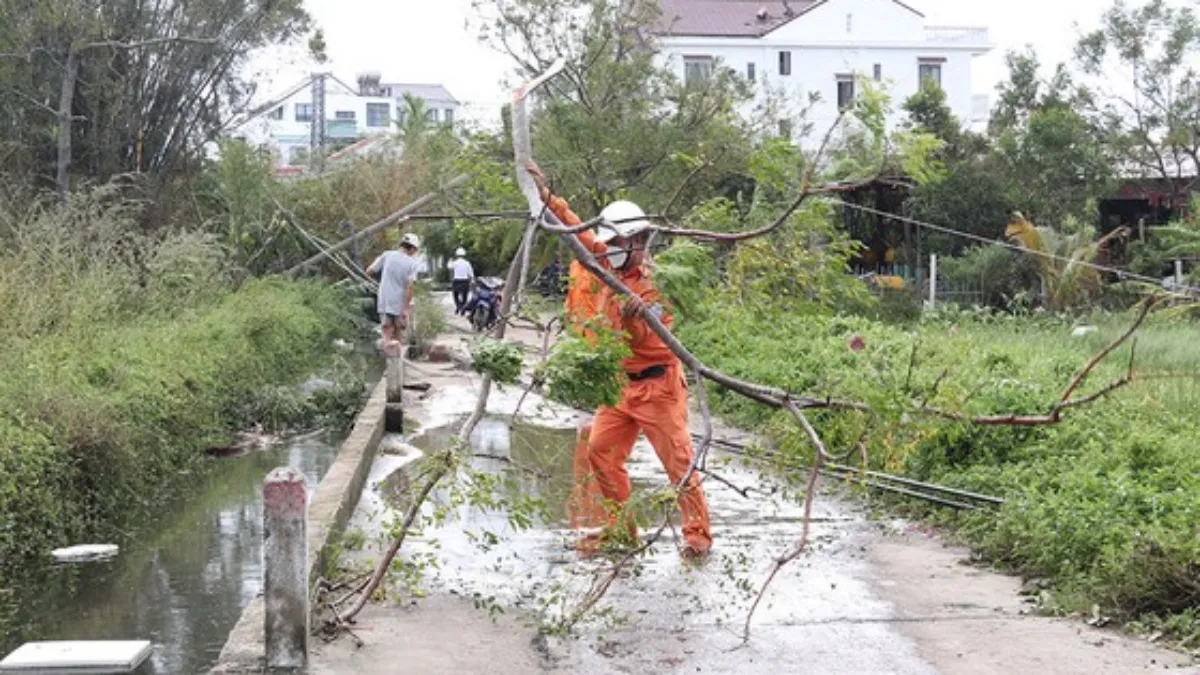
(658, 408)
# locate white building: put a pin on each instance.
(803, 47)
(355, 118)
(440, 105)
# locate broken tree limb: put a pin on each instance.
(810, 494)
(393, 219)
(517, 274)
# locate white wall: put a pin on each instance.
(881, 32)
(871, 21)
(815, 69)
(285, 135)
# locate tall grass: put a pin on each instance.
(123, 355)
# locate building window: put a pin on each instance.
(785, 129)
(401, 116)
(378, 114)
(304, 112)
(276, 114)
(930, 72)
(750, 74)
(785, 63)
(431, 114)
(347, 115)
(878, 72)
(849, 23)
(845, 91)
(697, 69)
(448, 116)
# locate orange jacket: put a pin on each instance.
(583, 289)
(583, 293)
(648, 349)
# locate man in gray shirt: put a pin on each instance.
(396, 272)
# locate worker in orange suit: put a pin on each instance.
(654, 401)
(586, 506)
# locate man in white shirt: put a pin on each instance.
(461, 276)
(396, 272)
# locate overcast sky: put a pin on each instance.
(430, 41)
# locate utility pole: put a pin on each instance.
(316, 140)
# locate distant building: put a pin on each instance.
(799, 47)
(356, 120)
(440, 105)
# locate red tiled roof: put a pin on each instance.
(732, 18)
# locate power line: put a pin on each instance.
(1125, 274)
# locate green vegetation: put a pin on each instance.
(125, 356)
(429, 319)
(98, 430)
(1105, 506)
(499, 358)
(585, 372)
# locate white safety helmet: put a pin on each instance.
(623, 219)
(460, 252)
(410, 239)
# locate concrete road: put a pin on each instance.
(866, 598)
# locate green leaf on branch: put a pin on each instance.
(498, 358)
(586, 372)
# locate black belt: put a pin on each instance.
(649, 373)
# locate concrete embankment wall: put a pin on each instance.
(329, 508)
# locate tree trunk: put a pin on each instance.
(66, 100)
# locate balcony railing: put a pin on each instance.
(957, 35)
(341, 129)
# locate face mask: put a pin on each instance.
(618, 259)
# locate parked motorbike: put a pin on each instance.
(552, 281)
(483, 309)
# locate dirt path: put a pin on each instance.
(862, 601)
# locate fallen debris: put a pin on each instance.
(85, 553)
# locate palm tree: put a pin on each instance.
(414, 123)
(1064, 260)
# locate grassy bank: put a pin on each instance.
(1105, 507)
(124, 354)
(96, 430)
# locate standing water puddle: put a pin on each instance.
(663, 614)
(183, 581)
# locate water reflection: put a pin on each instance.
(184, 583)
(540, 459)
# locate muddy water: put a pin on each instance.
(183, 583)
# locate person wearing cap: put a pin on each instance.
(461, 276)
(396, 271)
(654, 401)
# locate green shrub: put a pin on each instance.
(1105, 505)
(499, 358)
(586, 373)
(429, 319)
(97, 432)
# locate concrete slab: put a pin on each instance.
(443, 635)
(77, 657)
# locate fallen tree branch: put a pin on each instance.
(802, 543)
(743, 491)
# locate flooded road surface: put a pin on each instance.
(663, 615)
(183, 582)
(858, 601)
